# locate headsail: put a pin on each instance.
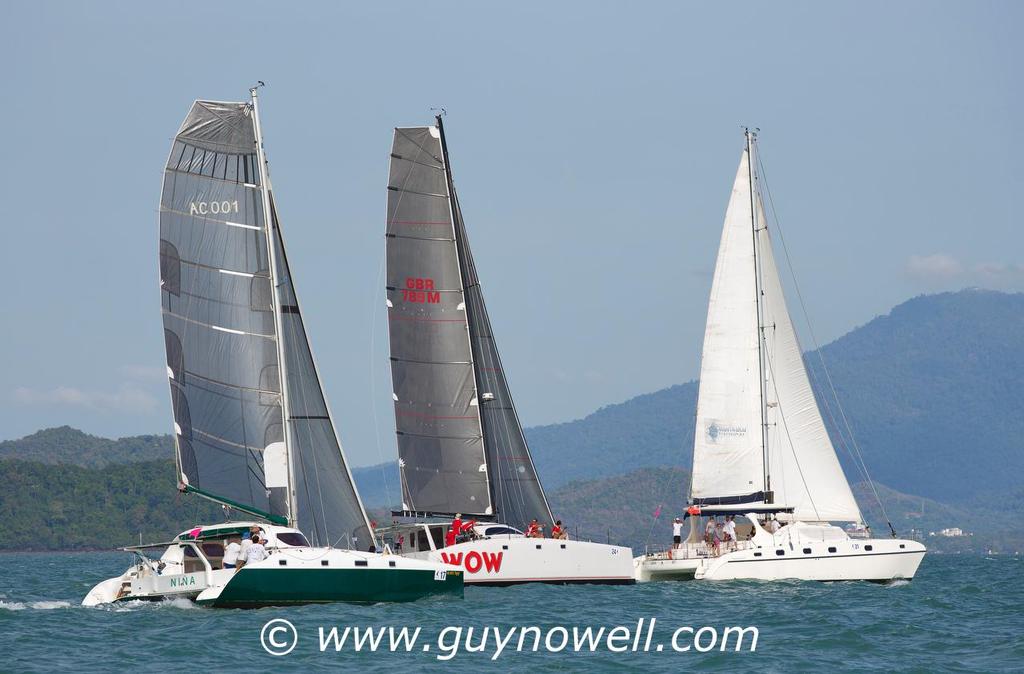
(738, 413)
(329, 511)
(224, 346)
(515, 487)
(460, 441)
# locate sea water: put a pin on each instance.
(962, 612)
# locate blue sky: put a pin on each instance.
(593, 145)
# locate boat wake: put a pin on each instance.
(38, 605)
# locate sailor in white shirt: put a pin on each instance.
(730, 530)
(232, 549)
(254, 553)
(677, 532)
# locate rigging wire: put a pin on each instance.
(382, 462)
(856, 453)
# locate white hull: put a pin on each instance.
(515, 559)
(887, 559)
(798, 551)
(291, 574)
(649, 568)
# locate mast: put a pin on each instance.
(452, 210)
(761, 375)
(268, 221)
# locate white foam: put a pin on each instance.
(38, 605)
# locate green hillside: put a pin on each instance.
(65, 507)
(70, 445)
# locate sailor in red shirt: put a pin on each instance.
(449, 537)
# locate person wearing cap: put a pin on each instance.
(677, 533)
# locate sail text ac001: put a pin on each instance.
(221, 284)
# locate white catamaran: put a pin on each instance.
(761, 450)
(251, 424)
(460, 443)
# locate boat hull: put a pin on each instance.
(251, 588)
(653, 568)
(884, 560)
(513, 560)
(289, 577)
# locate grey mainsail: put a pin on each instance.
(224, 344)
(440, 442)
(427, 241)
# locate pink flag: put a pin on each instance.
(195, 532)
(657, 512)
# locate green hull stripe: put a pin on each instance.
(276, 587)
(273, 519)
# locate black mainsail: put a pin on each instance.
(234, 333)
(461, 445)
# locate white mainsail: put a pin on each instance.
(735, 415)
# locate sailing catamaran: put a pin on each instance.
(252, 428)
(461, 446)
(761, 450)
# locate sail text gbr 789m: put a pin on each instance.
(460, 443)
(251, 424)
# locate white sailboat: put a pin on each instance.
(761, 449)
(460, 442)
(252, 428)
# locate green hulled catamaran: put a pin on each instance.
(252, 428)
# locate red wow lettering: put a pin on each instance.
(473, 561)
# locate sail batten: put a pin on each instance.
(759, 435)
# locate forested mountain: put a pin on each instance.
(932, 391)
(72, 446)
(67, 507)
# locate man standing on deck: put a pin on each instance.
(677, 533)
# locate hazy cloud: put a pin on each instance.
(938, 266)
(944, 268)
(129, 398)
(144, 372)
